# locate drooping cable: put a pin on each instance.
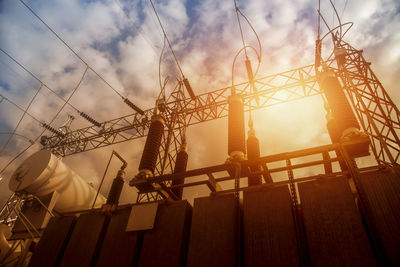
(134, 25)
(255, 33)
(79, 57)
(17, 106)
(20, 135)
(52, 120)
(159, 66)
(166, 38)
(185, 80)
(250, 73)
(240, 28)
(35, 77)
(339, 21)
(82, 114)
(20, 120)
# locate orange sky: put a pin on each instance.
(205, 37)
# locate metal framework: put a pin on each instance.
(376, 112)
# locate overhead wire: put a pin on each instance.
(20, 135)
(17, 106)
(162, 86)
(150, 12)
(16, 74)
(20, 120)
(250, 73)
(126, 100)
(166, 38)
(55, 116)
(81, 113)
(240, 28)
(345, 5)
(134, 25)
(184, 79)
(36, 78)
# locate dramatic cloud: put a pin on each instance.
(122, 41)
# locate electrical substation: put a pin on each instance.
(344, 216)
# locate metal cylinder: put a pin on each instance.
(253, 153)
(236, 132)
(43, 173)
(335, 137)
(180, 166)
(345, 120)
(152, 145)
(116, 188)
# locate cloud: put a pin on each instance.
(205, 37)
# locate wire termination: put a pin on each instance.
(51, 129)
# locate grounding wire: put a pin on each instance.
(55, 116)
(73, 51)
(166, 37)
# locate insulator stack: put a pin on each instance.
(253, 153)
(133, 106)
(152, 145)
(116, 188)
(189, 89)
(344, 117)
(89, 119)
(180, 166)
(249, 71)
(318, 51)
(347, 126)
(51, 129)
(236, 132)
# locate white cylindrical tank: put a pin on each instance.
(43, 173)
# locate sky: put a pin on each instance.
(122, 41)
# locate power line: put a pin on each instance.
(36, 78)
(166, 37)
(134, 25)
(17, 106)
(78, 56)
(345, 5)
(82, 114)
(37, 138)
(20, 135)
(20, 120)
(185, 80)
(240, 27)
